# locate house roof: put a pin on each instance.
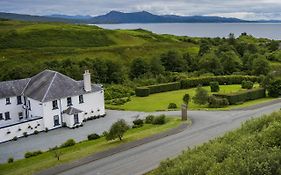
(72, 111)
(45, 86)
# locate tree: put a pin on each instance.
(117, 130)
(230, 62)
(273, 45)
(204, 48)
(261, 66)
(210, 63)
(274, 89)
(186, 99)
(156, 66)
(201, 96)
(172, 61)
(231, 38)
(138, 67)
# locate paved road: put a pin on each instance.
(206, 125)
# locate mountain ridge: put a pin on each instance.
(117, 17)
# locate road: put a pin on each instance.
(206, 125)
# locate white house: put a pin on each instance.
(46, 101)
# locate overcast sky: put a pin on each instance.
(244, 9)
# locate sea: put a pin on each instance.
(259, 30)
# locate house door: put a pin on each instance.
(76, 119)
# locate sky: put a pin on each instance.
(243, 9)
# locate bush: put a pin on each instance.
(149, 119)
(274, 89)
(68, 143)
(145, 91)
(160, 120)
(36, 132)
(32, 154)
(247, 84)
(172, 106)
(205, 81)
(10, 160)
(186, 99)
(142, 92)
(215, 102)
(46, 129)
(201, 96)
(15, 138)
(25, 134)
(215, 87)
(93, 136)
(243, 96)
(138, 122)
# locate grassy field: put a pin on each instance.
(83, 149)
(160, 101)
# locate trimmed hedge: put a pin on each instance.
(247, 84)
(216, 102)
(145, 91)
(205, 81)
(215, 86)
(241, 97)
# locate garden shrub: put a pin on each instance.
(201, 96)
(186, 99)
(145, 91)
(68, 143)
(93, 136)
(142, 92)
(32, 154)
(240, 97)
(274, 89)
(216, 102)
(10, 160)
(172, 106)
(215, 87)
(159, 120)
(247, 84)
(15, 138)
(24, 134)
(138, 122)
(35, 132)
(149, 119)
(117, 91)
(205, 81)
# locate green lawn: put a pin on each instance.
(160, 101)
(83, 149)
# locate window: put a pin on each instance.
(81, 99)
(7, 116)
(20, 115)
(1, 116)
(8, 101)
(19, 100)
(29, 105)
(56, 120)
(76, 119)
(69, 101)
(55, 104)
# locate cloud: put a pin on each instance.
(245, 9)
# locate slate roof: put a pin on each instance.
(45, 86)
(72, 111)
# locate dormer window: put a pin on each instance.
(19, 100)
(55, 104)
(8, 101)
(81, 99)
(69, 101)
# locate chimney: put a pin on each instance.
(87, 81)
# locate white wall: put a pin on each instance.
(24, 127)
(13, 108)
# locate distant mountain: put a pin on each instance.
(22, 17)
(146, 17)
(115, 17)
(79, 17)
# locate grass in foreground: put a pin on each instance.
(253, 149)
(160, 101)
(82, 149)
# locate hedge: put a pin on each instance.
(145, 91)
(205, 81)
(193, 82)
(241, 97)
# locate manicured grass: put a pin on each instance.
(159, 102)
(83, 149)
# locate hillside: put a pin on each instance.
(25, 46)
(253, 149)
